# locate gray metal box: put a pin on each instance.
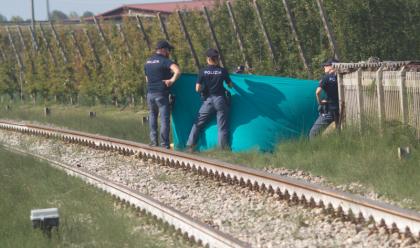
(45, 218)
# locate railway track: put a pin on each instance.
(347, 206)
(191, 229)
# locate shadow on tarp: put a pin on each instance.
(264, 111)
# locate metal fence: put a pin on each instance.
(377, 96)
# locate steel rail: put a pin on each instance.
(192, 229)
(350, 206)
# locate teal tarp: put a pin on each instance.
(264, 111)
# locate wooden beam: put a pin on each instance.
(2, 55)
(188, 38)
(24, 45)
(328, 30)
(79, 53)
(101, 34)
(341, 100)
(124, 39)
(238, 34)
(12, 44)
(47, 44)
(33, 38)
(22, 40)
(213, 35)
(163, 26)
(59, 44)
(97, 61)
(292, 24)
(381, 98)
(360, 103)
(76, 45)
(142, 30)
(403, 95)
(264, 30)
(165, 33)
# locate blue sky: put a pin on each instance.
(21, 8)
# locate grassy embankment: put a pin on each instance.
(88, 217)
(370, 159)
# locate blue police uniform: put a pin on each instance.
(213, 93)
(157, 69)
(330, 111)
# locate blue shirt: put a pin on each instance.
(211, 79)
(330, 85)
(157, 69)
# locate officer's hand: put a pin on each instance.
(168, 82)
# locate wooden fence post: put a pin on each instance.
(213, 35)
(59, 44)
(341, 99)
(101, 34)
(33, 38)
(163, 26)
(264, 30)
(238, 34)
(403, 95)
(122, 35)
(141, 28)
(359, 98)
(328, 30)
(292, 24)
(188, 38)
(381, 98)
(47, 44)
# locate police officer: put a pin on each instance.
(161, 74)
(328, 108)
(210, 85)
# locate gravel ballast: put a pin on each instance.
(256, 218)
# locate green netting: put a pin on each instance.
(264, 111)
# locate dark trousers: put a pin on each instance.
(212, 105)
(323, 121)
(159, 103)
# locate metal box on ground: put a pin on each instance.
(45, 219)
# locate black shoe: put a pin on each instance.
(153, 144)
(190, 149)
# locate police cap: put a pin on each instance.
(212, 53)
(329, 62)
(164, 44)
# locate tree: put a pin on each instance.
(58, 15)
(73, 15)
(88, 14)
(3, 18)
(16, 19)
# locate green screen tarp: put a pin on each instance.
(264, 111)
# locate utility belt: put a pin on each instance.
(204, 95)
(328, 108)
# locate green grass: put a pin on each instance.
(88, 217)
(370, 159)
(111, 121)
